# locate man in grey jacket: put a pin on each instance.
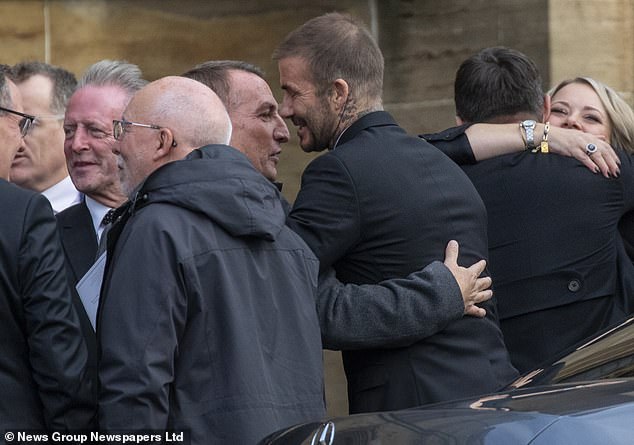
(207, 321)
(395, 312)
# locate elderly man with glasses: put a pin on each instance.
(207, 321)
(43, 362)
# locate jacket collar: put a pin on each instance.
(374, 119)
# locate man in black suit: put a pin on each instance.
(559, 266)
(102, 94)
(43, 374)
(381, 204)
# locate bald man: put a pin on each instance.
(207, 321)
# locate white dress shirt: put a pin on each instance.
(62, 195)
(97, 212)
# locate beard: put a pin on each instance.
(319, 127)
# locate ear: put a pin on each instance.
(547, 102)
(341, 92)
(166, 144)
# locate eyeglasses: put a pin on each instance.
(120, 126)
(25, 123)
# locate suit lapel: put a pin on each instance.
(79, 240)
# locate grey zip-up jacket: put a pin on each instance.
(207, 319)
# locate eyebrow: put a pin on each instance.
(266, 106)
(585, 107)
(287, 87)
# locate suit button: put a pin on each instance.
(574, 285)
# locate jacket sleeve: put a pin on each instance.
(395, 313)
(454, 143)
(57, 350)
(141, 315)
(326, 211)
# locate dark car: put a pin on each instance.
(585, 397)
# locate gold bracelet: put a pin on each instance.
(544, 145)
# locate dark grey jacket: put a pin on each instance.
(207, 321)
(43, 380)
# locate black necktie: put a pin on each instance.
(108, 217)
(106, 222)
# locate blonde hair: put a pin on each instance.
(619, 112)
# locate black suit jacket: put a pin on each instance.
(559, 267)
(43, 362)
(381, 205)
(79, 242)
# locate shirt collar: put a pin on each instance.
(62, 195)
(97, 212)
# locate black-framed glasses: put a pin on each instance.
(120, 126)
(25, 123)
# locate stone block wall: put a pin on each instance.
(595, 39)
(423, 41)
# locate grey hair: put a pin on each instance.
(114, 72)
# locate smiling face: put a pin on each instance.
(578, 106)
(313, 115)
(258, 129)
(89, 141)
(39, 162)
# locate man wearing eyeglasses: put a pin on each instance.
(43, 362)
(207, 320)
(39, 163)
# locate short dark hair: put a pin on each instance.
(215, 75)
(497, 82)
(337, 46)
(64, 82)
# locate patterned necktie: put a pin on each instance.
(108, 217)
(106, 222)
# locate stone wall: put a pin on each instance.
(424, 41)
(593, 38)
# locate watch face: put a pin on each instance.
(528, 123)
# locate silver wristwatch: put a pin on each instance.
(528, 126)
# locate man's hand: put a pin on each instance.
(474, 289)
(572, 143)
